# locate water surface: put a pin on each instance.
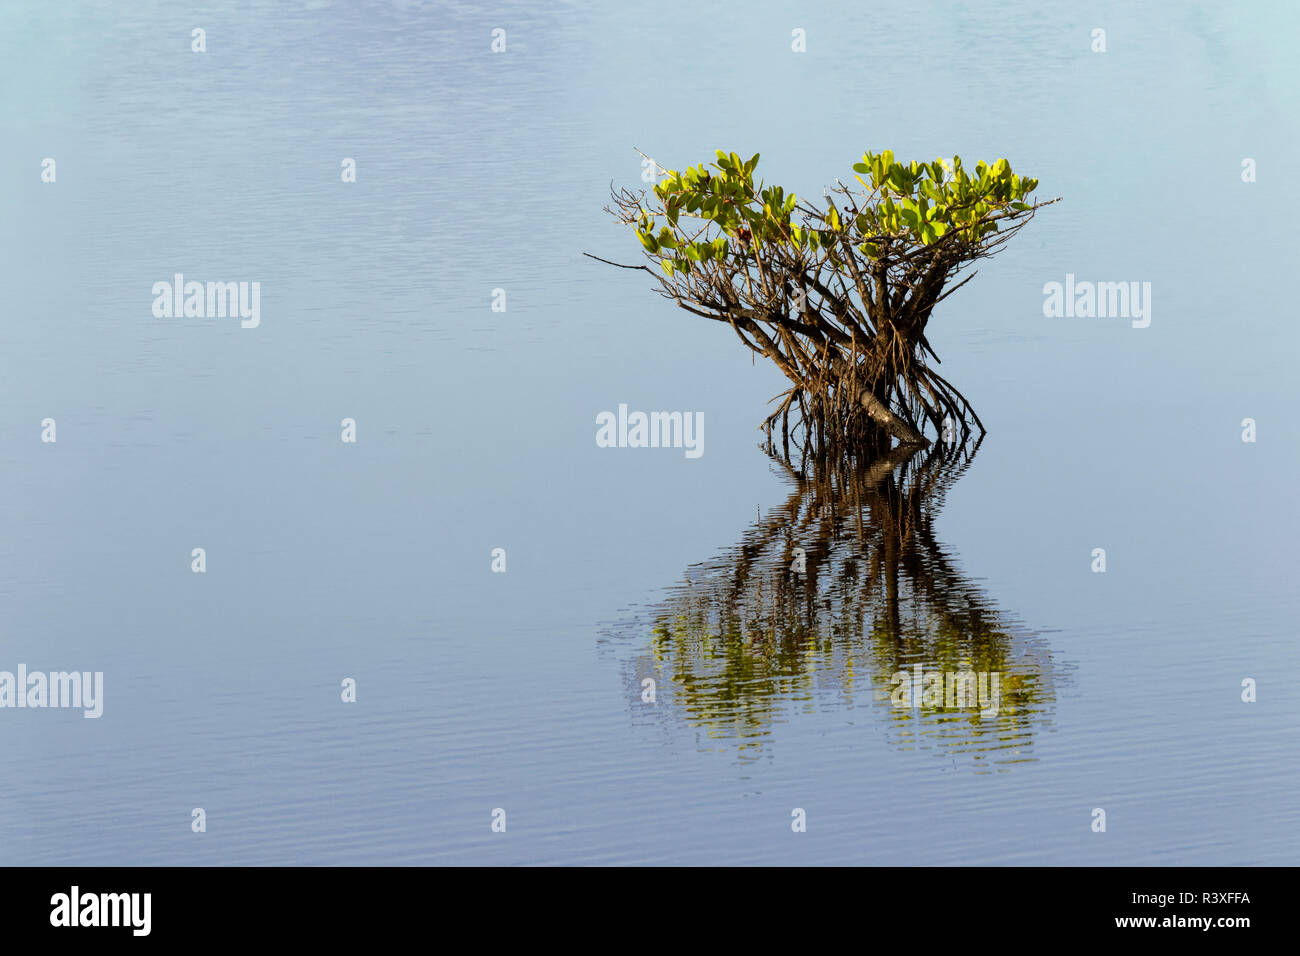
(476, 431)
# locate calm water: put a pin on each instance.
(478, 690)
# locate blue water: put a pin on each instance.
(475, 430)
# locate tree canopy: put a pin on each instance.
(837, 293)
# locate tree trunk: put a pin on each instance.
(880, 413)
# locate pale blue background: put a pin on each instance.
(477, 429)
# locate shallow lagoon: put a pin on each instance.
(476, 430)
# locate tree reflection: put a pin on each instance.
(833, 600)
